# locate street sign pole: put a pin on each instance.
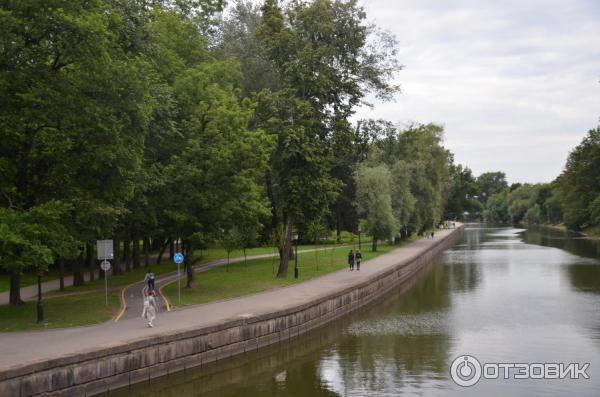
(105, 287)
(178, 259)
(105, 252)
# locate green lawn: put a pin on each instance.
(60, 312)
(259, 275)
(136, 275)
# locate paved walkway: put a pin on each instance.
(134, 294)
(30, 347)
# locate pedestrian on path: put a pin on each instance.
(150, 309)
(351, 260)
(149, 280)
(358, 259)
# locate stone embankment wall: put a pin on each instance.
(120, 366)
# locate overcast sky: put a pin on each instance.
(515, 83)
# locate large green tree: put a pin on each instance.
(214, 180)
(323, 56)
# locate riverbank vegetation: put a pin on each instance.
(571, 200)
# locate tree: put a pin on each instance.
(74, 112)
(220, 161)
(490, 183)
(230, 240)
(579, 184)
(533, 215)
(374, 199)
(236, 38)
(497, 208)
(32, 240)
(403, 201)
(519, 202)
(316, 230)
(463, 188)
(323, 56)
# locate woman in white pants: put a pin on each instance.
(150, 309)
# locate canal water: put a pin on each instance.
(501, 295)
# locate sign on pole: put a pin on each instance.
(105, 265)
(105, 249)
(105, 252)
(178, 258)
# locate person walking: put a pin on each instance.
(358, 258)
(149, 280)
(351, 260)
(150, 308)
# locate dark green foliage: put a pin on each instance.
(579, 184)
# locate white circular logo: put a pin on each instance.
(465, 371)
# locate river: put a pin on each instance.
(501, 295)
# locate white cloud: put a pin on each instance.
(516, 85)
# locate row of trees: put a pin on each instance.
(402, 185)
(572, 199)
(159, 120)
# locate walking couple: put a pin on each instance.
(354, 258)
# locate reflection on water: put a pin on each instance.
(501, 295)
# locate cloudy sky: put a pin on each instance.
(515, 83)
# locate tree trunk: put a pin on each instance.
(162, 251)
(156, 244)
(284, 256)
(189, 265)
(15, 289)
(127, 254)
(116, 268)
(374, 244)
(146, 248)
(89, 258)
(61, 273)
(136, 252)
(171, 248)
(78, 278)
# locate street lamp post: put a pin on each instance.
(359, 230)
(296, 257)
(40, 304)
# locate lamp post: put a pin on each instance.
(40, 304)
(359, 230)
(296, 257)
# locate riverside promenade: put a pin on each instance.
(95, 359)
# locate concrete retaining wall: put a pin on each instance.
(109, 369)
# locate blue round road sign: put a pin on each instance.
(178, 258)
